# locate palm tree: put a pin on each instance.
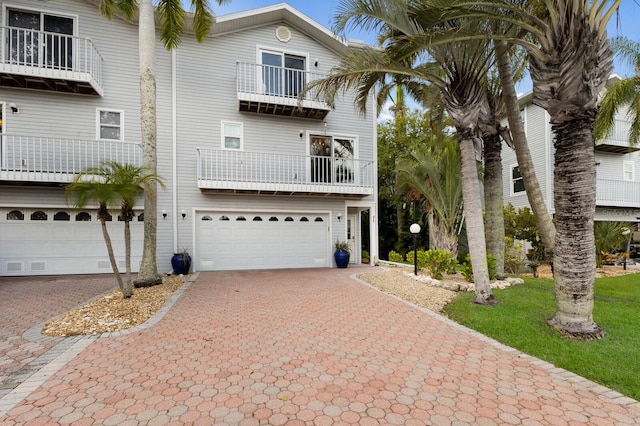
(172, 21)
(434, 175)
(93, 185)
(457, 70)
(129, 182)
(625, 92)
(570, 61)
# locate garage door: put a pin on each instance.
(232, 241)
(58, 242)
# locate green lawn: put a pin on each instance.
(519, 321)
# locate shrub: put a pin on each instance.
(514, 258)
(438, 262)
(466, 269)
(394, 256)
(365, 254)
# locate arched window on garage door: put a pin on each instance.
(83, 217)
(62, 216)
(38, 215)
(15, 215)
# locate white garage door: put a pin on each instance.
(58, 242)
(234, 240)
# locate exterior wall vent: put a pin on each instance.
(283, 34)
(104, 264)
(38, 266)
(14, 267)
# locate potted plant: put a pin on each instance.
(181, 262)
(342, 254)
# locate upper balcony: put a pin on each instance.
(618, 141)
(617, 193)
(30, 159)
(49, 61)
(265, 173)
(266, 89)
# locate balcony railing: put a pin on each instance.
(276, 90)
(618, 140)
(44, 159)
(617, 193)
(287, 174)
(49, 61)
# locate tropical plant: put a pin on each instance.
(431, 175)
(439, 262)
(395, 257)
(341, 246)
(112, 184)
(624, 93)
(610, 237)
(171, 17)
(466, 268)
(457, 70)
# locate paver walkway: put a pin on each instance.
(308, 347)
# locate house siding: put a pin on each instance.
(205, 90)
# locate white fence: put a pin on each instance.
(275, 82)
(619, 193)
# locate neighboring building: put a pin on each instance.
(618, 167)
(255, 177)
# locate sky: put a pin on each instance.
(627, 22)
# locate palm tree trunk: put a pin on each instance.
(493, 202)
(148, 273)
(441, 236)
(575, 202)
(473, 215)
(128, 287)
(523, 155)
(112, 258)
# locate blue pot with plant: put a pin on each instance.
(342, 254)
(181, 263)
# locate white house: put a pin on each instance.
(618, 182)
(256, 177)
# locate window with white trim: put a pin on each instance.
(110, 125)
(283, 73)
(628, 171)
(517, 182)
(232, 135)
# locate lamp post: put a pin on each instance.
(627, 233)
(415, 230)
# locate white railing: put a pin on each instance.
(276, 83)
(619, 193)
(219, 169)
(32, 158)
(24, 49)
(619, 135)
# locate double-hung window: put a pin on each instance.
(517, 182)
(232, 135)
(628, 171)
(283, 74)
(39, 39)
(110, 125)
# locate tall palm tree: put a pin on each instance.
(570, 61)
(129, 182)
(457, 70)
(434, 174)
(171, 17)
(624, 93)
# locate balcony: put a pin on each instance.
(30, 159)
(49, 61)
(617, 193)
(266, 89)
(264, 173)
(618, 141)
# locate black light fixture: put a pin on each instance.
(339, 216)
(184, 214)
(164, 214)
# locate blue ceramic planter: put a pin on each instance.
(342, 258)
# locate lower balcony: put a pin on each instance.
(264, 173)
(617, 141)
(617, 193)
(32, 159)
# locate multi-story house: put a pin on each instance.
(618, 184)
(257, 174)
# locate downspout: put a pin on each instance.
(174, 142)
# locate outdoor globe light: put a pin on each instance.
(415, 230)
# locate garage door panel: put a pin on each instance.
(261, 244)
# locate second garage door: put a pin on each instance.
(240, 240)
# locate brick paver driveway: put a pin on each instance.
(308, 347)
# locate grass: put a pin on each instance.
(519, 321)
